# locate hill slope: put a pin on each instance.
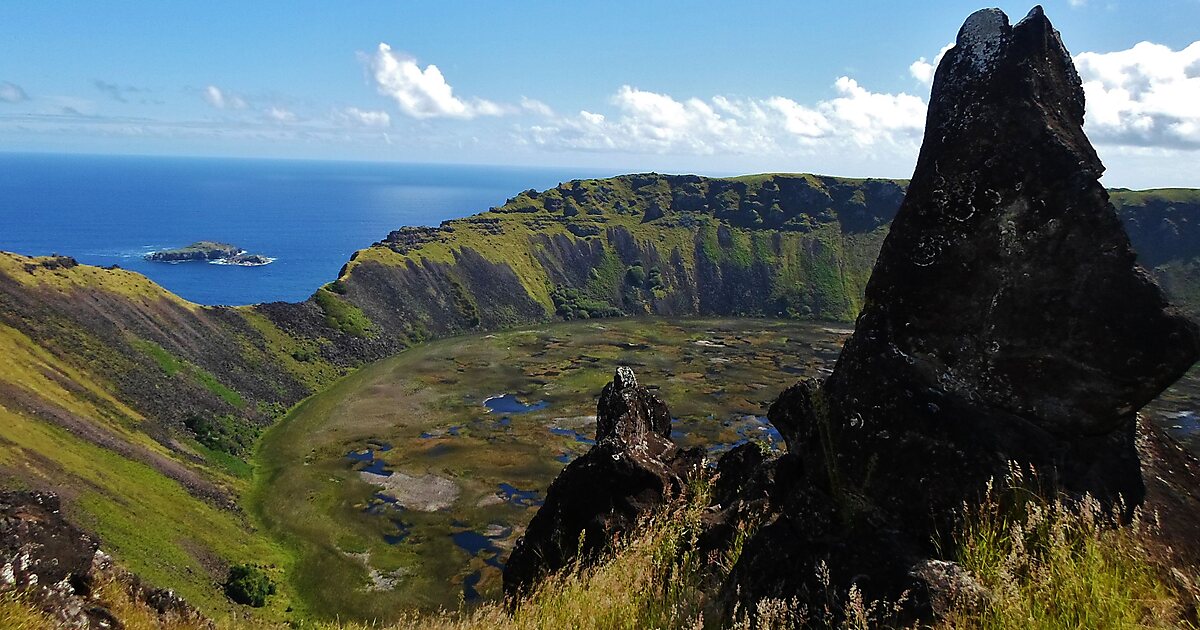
(140, 407)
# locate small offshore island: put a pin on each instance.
(212, 252)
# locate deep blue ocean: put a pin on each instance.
(309, 216)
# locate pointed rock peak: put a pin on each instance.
(1006, 278)
(628, 412)
(1036, 13)
(994, 65)
(982, 38)
(624, 379)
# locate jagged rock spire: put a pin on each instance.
(1006, 320)
(633, 469)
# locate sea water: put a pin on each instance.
(309, 216)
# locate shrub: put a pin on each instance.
(225, 433)
(635, 275)
(249, 585)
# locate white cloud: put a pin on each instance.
(1147, 95)
(535, 106)
(366, 118)
(922, 70)
(220, 99)
(422, 93)
(12, 93)
(650, 122)
(1075, 4)
(280, 114)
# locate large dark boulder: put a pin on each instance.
(1006, 321)
(633, 469)
(1006, 318)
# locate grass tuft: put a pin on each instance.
(1060, 564)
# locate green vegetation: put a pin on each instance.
(344, 316)
(426, 404)
(249, 585)
(796, 246)
(18, 614)
(775, 246)
(1123, 197)
(225, 433)
(573, 304)
(171, 366)
(1054, 564)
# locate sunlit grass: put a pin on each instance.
(1059, 564)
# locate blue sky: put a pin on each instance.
(710, 87)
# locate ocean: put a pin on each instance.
(309, 216)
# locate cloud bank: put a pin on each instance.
(1148, 96)
(651, 122)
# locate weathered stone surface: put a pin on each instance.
(38, 548)
(1006, 320)
(633, 468)
(58, 567)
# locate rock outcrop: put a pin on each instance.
(1006, 321)
(633, 469)
(59, 568)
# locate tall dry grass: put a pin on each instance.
(1064, 564)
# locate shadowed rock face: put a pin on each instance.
(1006, 320)
(1006, 317)
(633, 468)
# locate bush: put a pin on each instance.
(226, 433)
(635, 275)
(249, 585)
(573, 304)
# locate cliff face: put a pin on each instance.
(768, 245)
(667, 245)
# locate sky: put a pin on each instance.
(703, 86)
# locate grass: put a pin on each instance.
(172, 365)
(618, 208)
(146, 520)
(343, 315)
(307, 494)
(18, 614)
(1045, 565)
(32, 271)
(1059, 564)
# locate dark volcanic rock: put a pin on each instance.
(1006, 302)
(59, 568)
(38, 548)
(1006, 320)
(633, 468)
